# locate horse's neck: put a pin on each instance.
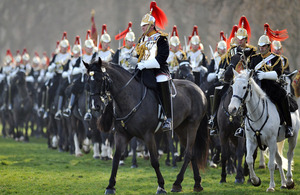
(255, 105)
(22, 90)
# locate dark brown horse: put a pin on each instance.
(135, 114)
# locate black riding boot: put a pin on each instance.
(165, 97)
(67, 112)
(58, 113)
(212, 123)
(46, 103)
(285, 109)
(88, 114)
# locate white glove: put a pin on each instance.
(211, 77)
(148, 64)
(221, 73)
(65, 74)
(29, 79)
(133, 61)
(49, 75)
(141, 65)
(76, 71)
(51, 67)
(271, 75)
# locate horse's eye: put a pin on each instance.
(244, 87)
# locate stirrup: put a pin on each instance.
(239, 132)
(67, 112)
(211, 122)
(289, 132)
(58, 115)
(87, 116)
(9, 107)
(167, 125)
(213, 132)
(45, 115)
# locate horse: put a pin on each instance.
(263, 127)
(135, 114)
(184, 71)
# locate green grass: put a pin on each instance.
(32, 168)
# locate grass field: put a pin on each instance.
(32, 168)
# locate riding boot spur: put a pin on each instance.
(287, 117)
(88, 115)
(67, 111)
(215, 99)
(165, 97)
(58, 113)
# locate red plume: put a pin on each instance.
(24, 51)
(222, 36)
(278, 35)
(47, 59)
(232, 34)
(77, 41)
(174, 31)
(159, 15)
(88, 34)
(8, 53)
(57, 44)
(123, 34)
(195, 32)
(64, 36)
(243, 23)
(104, 29)
(94, 32)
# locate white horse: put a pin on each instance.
(262, 124)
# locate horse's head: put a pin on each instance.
(240, 89)
(19, 78)
(99, 84)
(184, 71)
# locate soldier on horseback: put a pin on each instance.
(176, 52)
(105, 52)
(269, 67)
(153, 51)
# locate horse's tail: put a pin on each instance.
(104, 122)
(201, 145)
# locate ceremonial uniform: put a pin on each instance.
(105, 53)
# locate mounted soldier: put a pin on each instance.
(105, 52)
(124, 53)
(176, 53)
(196, 56)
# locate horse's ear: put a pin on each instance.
(99, 62)
(251, 73)
(87, 66)
(235, 73)
(189, 58)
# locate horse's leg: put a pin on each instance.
(271, 164)
(120, 141)
(171, 148)
(290, 155)
(224, 155)
(251, 147)
(280, 167)
(133, 144)
(197, 177)
(262, 163)
(151, 145)
(240, 151)
(76, 144)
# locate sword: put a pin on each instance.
(213, 56)
(185, 44)
(119, 49)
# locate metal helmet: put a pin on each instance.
(45, 59)
(276, 45)
(233, 41)
(105, 36)
(64, 41)
(148, 19)
(89, 43)
(195, 40)
(130, 36)
(25, 55)
(9, 57)
(241, 33)
(36, 59)
(244, 30)
(18, 57)
(263, 40)
(222, 45)
(174, 41)
(76, 47)
(156, 16)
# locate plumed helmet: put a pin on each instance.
(89, 43)
(36, 59)
(45, 59)
(195, 40)
(18, 57)
(174, 40)
(25, 55)
(276, 45)
(222, 45)
(244, 30)
(130, 36)
(155, 17)
(263, 40)
(8, 57)
(64, 41)
(105, 36)
(76, 47)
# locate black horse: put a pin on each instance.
(135, 114)
(184, 71)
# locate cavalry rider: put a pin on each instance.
(105, 52)
(18, 59)
(268, 66)
(55, 69)
(153, 51)
(176, 53)
(277, 49)
(196, 56)
(6, 71)
(124, 53)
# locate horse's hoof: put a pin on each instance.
(290, 186)
(283, 187)
(134, 166)
(160, 190)
(262, 166)
(270, 190)
(96, 157)
(110, 191)
(198, 189)
(176, 188)
(222, 181)
(256, 184)
(174, 166)
(239, 181)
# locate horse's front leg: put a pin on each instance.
(240, 151)
(271, 164)
(290, 155)
(279, 164)
(251, 146)
(121, 141)
(151, 144)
